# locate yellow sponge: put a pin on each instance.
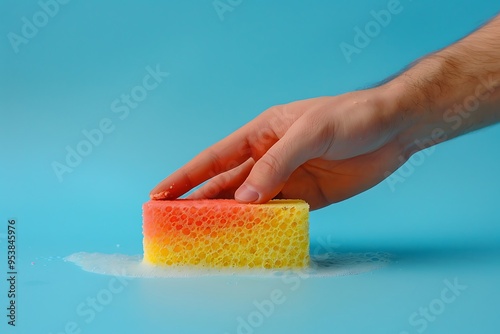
(224, 233)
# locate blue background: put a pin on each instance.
(442, 223)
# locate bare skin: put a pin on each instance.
(327, 149)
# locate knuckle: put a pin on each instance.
(215, 162)
(271, 165)
(212, 189)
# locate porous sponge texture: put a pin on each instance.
(225, 233)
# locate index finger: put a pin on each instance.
(226, 154)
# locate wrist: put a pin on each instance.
(422, 92)
(407, 112)
(440, 97)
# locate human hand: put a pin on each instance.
(327, 149)
(322, 150)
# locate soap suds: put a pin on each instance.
(322, 265)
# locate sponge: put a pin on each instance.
(222, 233)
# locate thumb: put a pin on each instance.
(272, 170)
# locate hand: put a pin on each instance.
(322, 150)
(327, 149)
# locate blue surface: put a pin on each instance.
(442, 223)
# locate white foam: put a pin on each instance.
(322, 265)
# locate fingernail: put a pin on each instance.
(246, 194)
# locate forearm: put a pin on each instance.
(451, 92)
